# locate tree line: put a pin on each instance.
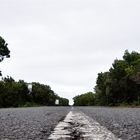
(86, 99)
(17, 94)
(120, 85)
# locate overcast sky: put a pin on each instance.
(66, 43)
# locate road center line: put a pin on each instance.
(77, 125)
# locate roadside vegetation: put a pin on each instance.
(120, 86)
(16, 93)
(86, 99)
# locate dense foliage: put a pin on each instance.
(63, 101)
(4, 51)
(15, 94)
(118, 86)
(86, 99)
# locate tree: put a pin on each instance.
(121, 84)
(16, 94)
(63, 101)
(86, 99)
(100, 89)
(4, 51)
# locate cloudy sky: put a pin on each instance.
(65, 43)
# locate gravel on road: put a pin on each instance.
(123, 122)
(30, 123)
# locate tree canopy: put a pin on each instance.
(16, 94)
(86, 99)
(4, 51)
(120, 85)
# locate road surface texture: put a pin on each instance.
(123, 122)
(30, 123)
(79, 123)
(78, 126)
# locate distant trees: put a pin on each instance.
(63, 101)
(118, 86)
(86, 99)
(4, 51)
(16, 94)
(42, 94)
(12, 93)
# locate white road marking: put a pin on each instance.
(78, 125)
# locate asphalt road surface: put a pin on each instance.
(123, 122)
(85, 123)
(30, 123)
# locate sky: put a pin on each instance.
(66, 43)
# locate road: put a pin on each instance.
(30, 123)
(84, 123)
(123, 122)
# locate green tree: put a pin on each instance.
(121, 84)
(42, 94)
(63, 101)
(4, 51)
(86, 99)
(15, 94)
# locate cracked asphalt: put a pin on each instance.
(78, 126)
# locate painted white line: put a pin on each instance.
(78, 125)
